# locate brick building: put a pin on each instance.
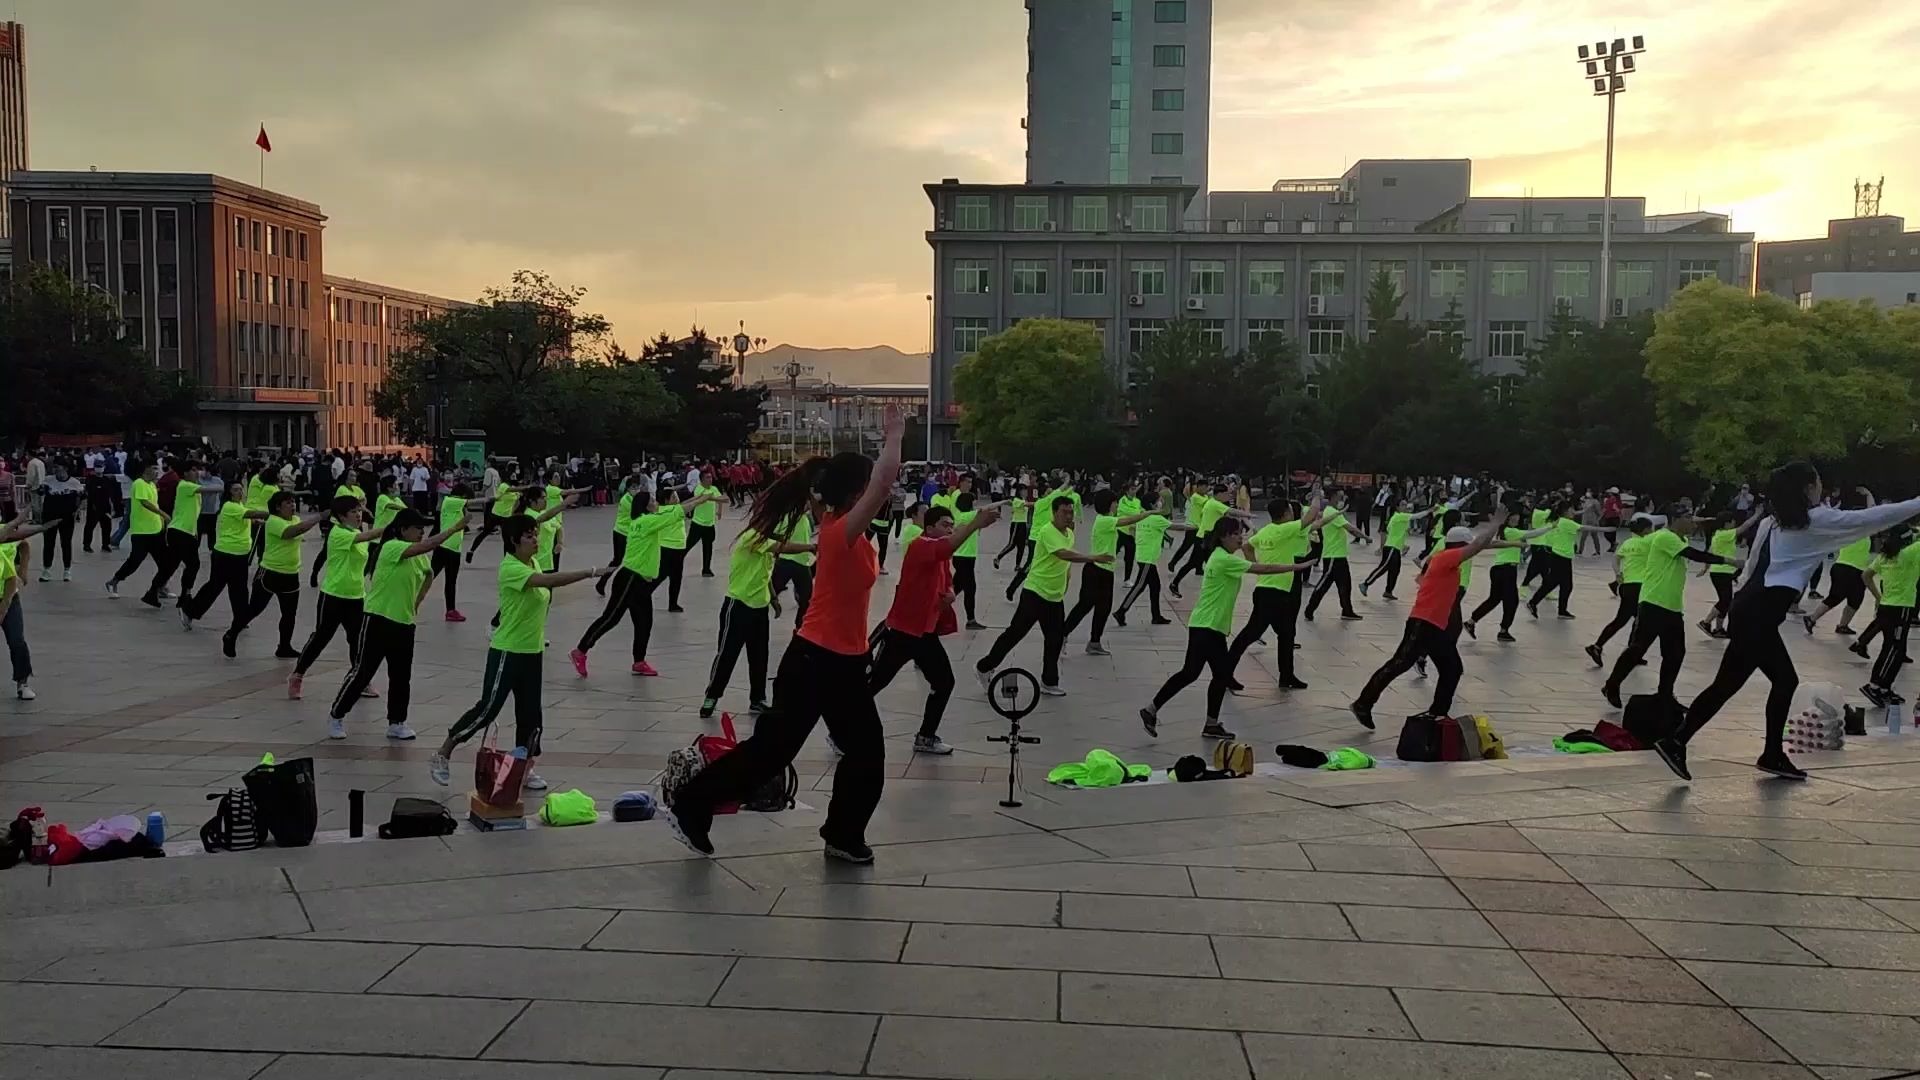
(13, 109)
(369, 324)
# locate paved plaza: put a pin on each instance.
(1547, 917)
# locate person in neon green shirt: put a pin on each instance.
(1563, 533)
(1210, 509)
(705, 517)
(1400, 525)
(631, 593)
(1662, 600)
(967, 554)
(1096, 581)
(673, 543)
(795, 569)
(386, 505)
(1276, 601)
(1726, 543)
(1128, 505)
(279, 576)
(232, 553)
(458, 503)
(183, 534)
(347, 490)
(1894, 578)
(1503, 587)
(1019, 529)
(515, 652)
(400, 582)
(1209, 622)
(1042, 602)
(506, 503)
(1847, 586)
(13, 623)
(1538, 518)
(1149, 538)
(744, 621)
(1335, 533)
(343, 589)
(622, 515)
(1630, 574)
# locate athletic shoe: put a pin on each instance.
(336, 728)
(975, 624)
(1808, 620)
(986, 679)
(1351, 616)
(1813, 594)
(1895, 699)
(400, 732)
(579, 662)
(707, 707)
(1468, 627)
(1674, 753)
(1119, 618)
(706, 573)
(754, 709)
(1363, 714)
(370, 693)
(1859, 649)
(1780, 765)
(1052, 691)
(226, 646)
(644, 668)
(166, 594)
(677, 609)
(151, 601)
(930, 744)
(46, 575)
(1844, 631)
(1175, 590)
(286, 654)
(1150, 720)
(1612, 694)
(1505, 638)
(1214, 730)
(1420, 667)
(1567, 615)
(1363, 588)
(455, 616)
(835, 747)
(1157, 621)
(293, 686)
(1235, 685)
(689, 832)
(437, 766)
(186, 620)
(66, 575)
(1388, 596)
(534, 782)
(1533, 611)
(113, 590)
(1307, 615)
(856, 853)
(1874, 695)
(1594, 654)
(883, 571)
(1705, 626)
(24, 692)
(1094, 648)
(1292, 684)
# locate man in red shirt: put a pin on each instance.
(1435, 607)
(922, 611)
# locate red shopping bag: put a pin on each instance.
(497, 774)
(711, 747)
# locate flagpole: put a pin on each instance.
(263, 158)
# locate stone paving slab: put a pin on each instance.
(1542, 917)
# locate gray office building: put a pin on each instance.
(1117, 92)
(1294, 260)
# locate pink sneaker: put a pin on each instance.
(293, 687)
(455, 616)
(644, 668)
(579, 662)
(369, 692)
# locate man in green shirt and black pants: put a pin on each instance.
(1042, 602)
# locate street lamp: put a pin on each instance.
(743, 343)
(1607, 65)
(794, 369)
(932, 340)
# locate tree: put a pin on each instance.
(66, 366)
(1746, 382)
(1586, 410)
(1041, 393)
(1201, 407)
(493, 365)
(713, 416)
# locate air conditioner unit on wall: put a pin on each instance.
(1316, 305)
(1135, 300)
(1270, 227)
(1619, 307)
(1234, 226)
(1194, 303)
(1048, 226)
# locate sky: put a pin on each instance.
(762, 160)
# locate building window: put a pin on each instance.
(1214, 331)
(972, 213)
(968, 334)
(1508, 278)
(1168, 142)
(1572, 280)
(240, 284)
(1169, 100)
(240, 339)
(304, 340)
(1257, 329)
(97, 275)
(1029, 277)
(1142, 331)
(346, 311)
(366, 354)
(273, 289)
(130, 280)
(1266, 277)
(972, 276)
(93, 226)
(1692, 270)
(303, 247)
(1169, 11)
(1089, 213)
(240, 232)
(163, 226)
(258, 234)
(1396, 271)
(1443, 330)
(169, 332)
(134, 326)
(1325, 336)
(1170, 56)
(1327, 277)
(259, 337)
(130, 226)
(259, 289)
(273, 240)
(1089, 277)
(303, 296)
(1148, 277)
(273, 340)
(169, 279)
(1176, 181)
(1506, 340)
(1206, 277)
(1029, 213)
(1150, 212)
(1633, 280)
(1446, 279)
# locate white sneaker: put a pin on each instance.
(835, 747)
(46, 575)
(399, 731)
(336, 729)
(24, 692)
(439, 769)
(186, 620)
(986, 680)
(924, 745)
(1052, 691)
(113, 590)
(1094, 648)
(534, 782)
(66, 575)
(166, 594)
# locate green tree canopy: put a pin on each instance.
(1040, 392)
(713, 415)
(1747, 382)
(67, 368)
(1198, 406)
(1586, 410)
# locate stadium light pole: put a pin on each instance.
(1607, 65)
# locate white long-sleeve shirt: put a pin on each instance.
(1792, 554)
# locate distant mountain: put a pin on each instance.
(852, 367)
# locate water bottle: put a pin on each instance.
(1894, 716)
(157, 829)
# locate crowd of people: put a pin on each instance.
(388, 528)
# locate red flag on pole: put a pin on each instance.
(262, 141)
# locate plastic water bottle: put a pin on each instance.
(1894, 716)
(157, 829)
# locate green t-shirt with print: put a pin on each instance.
(1047, 575)
(1219, 590)
(523, 609)
(397, 583)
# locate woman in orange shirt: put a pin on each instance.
(823, 674)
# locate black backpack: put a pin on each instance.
(775, 795)
(1652, 717)
(284, 800)
(233, 826)
(413, 817)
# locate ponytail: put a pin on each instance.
(782, 503)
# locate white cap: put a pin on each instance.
(1459, 534)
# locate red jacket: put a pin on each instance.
(926, 576)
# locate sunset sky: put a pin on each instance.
(762, 159)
